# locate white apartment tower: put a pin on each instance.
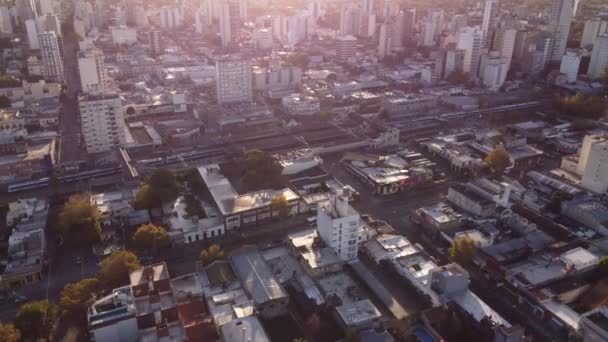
(102, 122)
(490, 16)
(338, 225)
(599, 57)
(436, 19)
(170, 17)
(561, 18)
(385, 40)
(6, 26)
(346, 47)
(493, 71)
(591, 30)
(51, 57)
(571, 61)
(470, 40)
(92, 71)
(593, 163)
(230, 22)
(233, 80)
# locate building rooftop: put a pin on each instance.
(471, 194)
(361, 311)
(599, 317)
(244, 329)
(472, 304)
(114, 307)
(229, 201)
(256, 277)
(441, 213)
(149, 273)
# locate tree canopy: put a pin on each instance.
(298, 59)
(116, 267)
(9, 333)
(150, 237)
(498, 160)
(211, 254)
(5, 102)
(581, 106)
(76, 297)
(458, 77)
(463, 250)
(280, 205)
(555, 201)
(159, 187)
(36, 319)
(261, 170)
(79, 221)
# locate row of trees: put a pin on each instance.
(581, 106)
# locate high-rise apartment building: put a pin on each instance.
(233, 80)
(6, 26)
(561, 18)
(592, 30)
(570, 64)
(409, 22)
(493, 70)
(599, 57)
(102, 122)
(51, 57)
(170, 17)
(385, 40)
(155, 43)
(593, 163)
(505, 43)
(92, 71)
(338, 225)
(470, 40)
(454, 61)
(350, 20)
(346, 47)
(230, 22)
(490, 16)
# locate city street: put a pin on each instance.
(69, 124)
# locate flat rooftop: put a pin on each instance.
(358, 312)
(256, 277)
(149, 273)
(229, 201)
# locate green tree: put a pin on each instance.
(211, 254)
(115, 268)
(261, 170)
(298, 59)
(498, 160)
(299, 339)
(5, 102)
(463, 250)
(36, 319)
(150, 237)
(581, 106)
(280, 205)
(9, 333)
(325, 115)
(158, 188)
(79, 221)
(458, 77)
(352, 335)
(76, 297)
(555, 201)
(130, 110)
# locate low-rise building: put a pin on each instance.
(260, 284)
(27, 242)
(409, 105)
(470, 201)
(297, 104)
(594, 325)
(242, 210)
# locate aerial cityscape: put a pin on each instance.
(304, 170)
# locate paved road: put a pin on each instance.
(69, 121)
